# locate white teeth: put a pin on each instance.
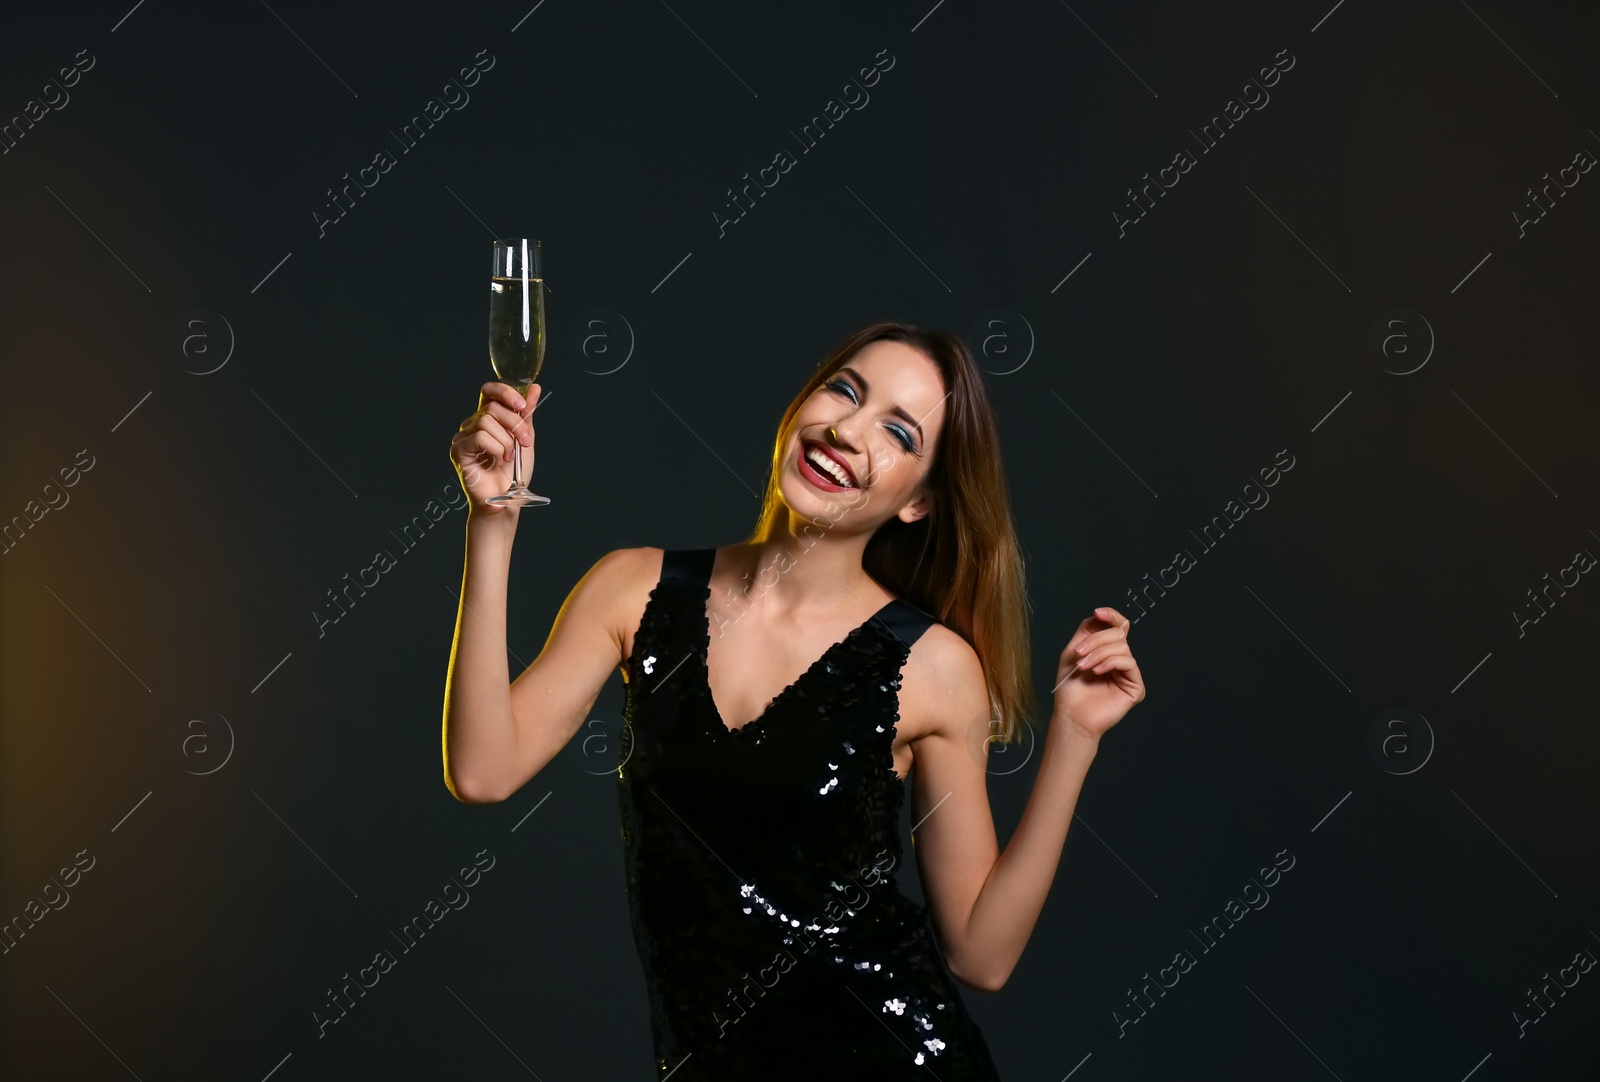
(828, 466)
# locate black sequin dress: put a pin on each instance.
(760, 863)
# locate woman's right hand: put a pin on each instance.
(481, 449)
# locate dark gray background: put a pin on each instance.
(239, 874)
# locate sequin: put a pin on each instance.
(760, 863)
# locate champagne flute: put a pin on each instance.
(516, 339)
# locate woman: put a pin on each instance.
(761, 817)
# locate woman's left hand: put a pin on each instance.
(1097, 680)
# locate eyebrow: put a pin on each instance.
(896, 410)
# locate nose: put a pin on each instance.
(842, 440)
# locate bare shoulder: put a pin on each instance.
(629, 567)
(624, 578)
(943, 690)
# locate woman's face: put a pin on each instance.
(878, 420)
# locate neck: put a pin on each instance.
(797, 566)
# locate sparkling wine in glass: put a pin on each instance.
(516, 339)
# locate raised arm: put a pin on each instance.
(498, 734)
(984, 902)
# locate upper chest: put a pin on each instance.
(757, 675)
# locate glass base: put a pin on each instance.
(519, 496)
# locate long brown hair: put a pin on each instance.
(961, 562)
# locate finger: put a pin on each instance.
(1098, 638)
(1112, 616)
(535, 396)
(521, 425)
(512, 421)
(501, 439)
(469, 459)
(1116, 663)
(1093, 660)
(503, 393)
(1086, 664)
(484, 449)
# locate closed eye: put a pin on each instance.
(844, 388)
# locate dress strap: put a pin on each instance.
(904, 621)
(689, 567)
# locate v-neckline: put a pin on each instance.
(772, 704)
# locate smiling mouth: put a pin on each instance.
(823, 468)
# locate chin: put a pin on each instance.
(828, 510)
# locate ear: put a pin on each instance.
(919, 507)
